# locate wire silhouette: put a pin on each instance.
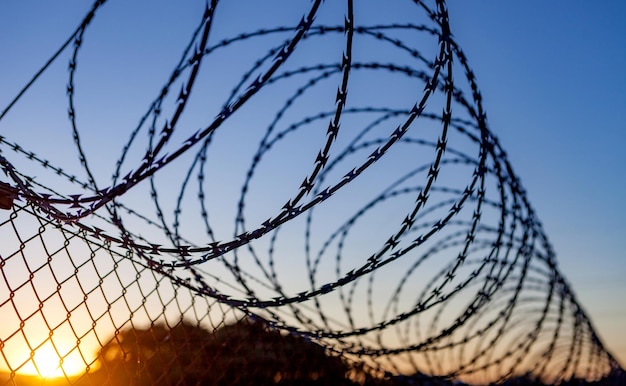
(366, 206)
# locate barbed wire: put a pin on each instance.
(404, 243)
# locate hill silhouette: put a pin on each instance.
(244, 353)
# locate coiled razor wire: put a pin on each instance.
(347, 190)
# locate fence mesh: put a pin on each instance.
(344, 216)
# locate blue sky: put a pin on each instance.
(551, 75)
(555, 91)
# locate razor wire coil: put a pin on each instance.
(456, 280)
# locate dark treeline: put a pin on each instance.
(244, 353)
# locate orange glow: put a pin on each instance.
(46, 363)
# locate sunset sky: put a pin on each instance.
(551, 75)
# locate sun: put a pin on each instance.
(46, 363)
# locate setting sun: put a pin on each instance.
(46, 363)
